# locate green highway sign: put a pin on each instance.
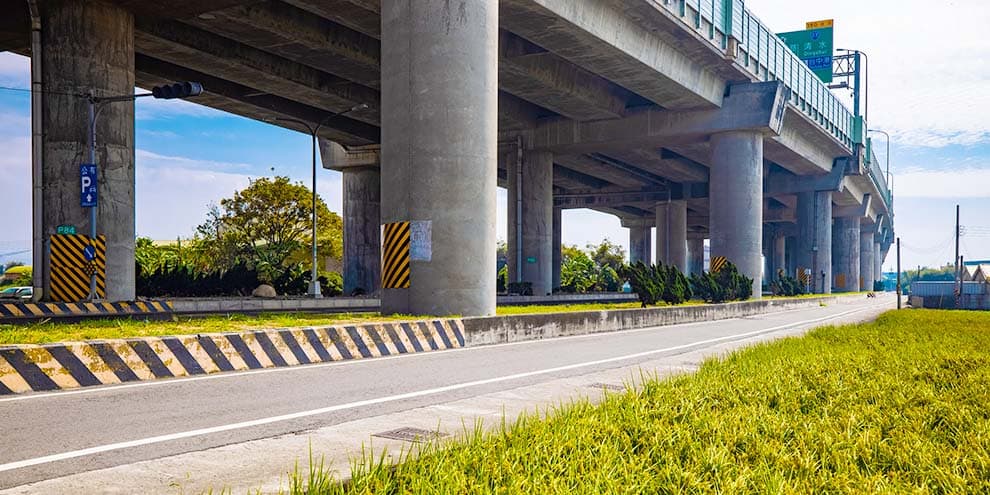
(814, 46)
(65, 230)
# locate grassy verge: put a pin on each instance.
(41, 333)
(54, 331)
(896, 406)
(47, 332)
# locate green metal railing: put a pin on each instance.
(768, 58)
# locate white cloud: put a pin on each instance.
(930, 74)
(952, 183)
(171, 201)
(146, 158)
(15, 70)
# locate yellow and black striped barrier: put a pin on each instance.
(38, 368)
(718, 263)
(395, 256)
(19, 310)
(71, 270)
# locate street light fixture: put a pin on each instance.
(314, 284)
(888, 150)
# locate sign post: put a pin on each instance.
(814, 46)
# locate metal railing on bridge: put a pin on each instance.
(768, 58)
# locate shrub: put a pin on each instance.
(786, 286)
(726, 285)
(878, 286)
(658, 283)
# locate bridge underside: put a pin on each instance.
(627, 125)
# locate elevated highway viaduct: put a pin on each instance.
(689, 117)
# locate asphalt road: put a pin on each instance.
(56, 434)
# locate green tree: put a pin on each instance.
(269, 225)
(608, 254)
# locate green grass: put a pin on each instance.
(46, 332)
(901, 405)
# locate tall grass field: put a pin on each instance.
(901, 405)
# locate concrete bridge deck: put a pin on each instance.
(686, 116)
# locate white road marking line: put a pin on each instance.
(392, 398)
(371, 362)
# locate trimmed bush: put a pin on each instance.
(657, 283)
(726, 285)
(786, 286)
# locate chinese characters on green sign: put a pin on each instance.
(814, 47)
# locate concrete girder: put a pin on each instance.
(516, 114)
(632, 57)
(802, 147)
(246, 102)
(779, 183)
(861, 210)
(302, 37)
(208, 53)
(755, 108)
(346, 13)
(554, 83)
(664, 163)
(568, 178)
(598, 169)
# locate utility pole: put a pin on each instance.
(958, 265)
(898, 273)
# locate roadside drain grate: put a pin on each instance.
(608, 386)
(411, 435)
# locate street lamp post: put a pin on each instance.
(314, 284)
(888, 151)
(866, 95)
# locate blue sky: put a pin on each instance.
(930, 88)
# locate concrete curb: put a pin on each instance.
(18, 310)
(27, 368)
(497, 330)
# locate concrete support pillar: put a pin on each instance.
(846, 254)
(696, 256)
(530, 199)
(790, 243)
(778, 259)
(89, 47)
(439, 147)
(639, 244)
(556, 246)
(866, 266)
(736, 202)
(877, 262)
(814, 223)
(672, 234)
(362, 232)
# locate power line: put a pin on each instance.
(29, 90)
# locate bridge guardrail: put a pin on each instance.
(768, 58)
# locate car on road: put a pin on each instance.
(16, 293)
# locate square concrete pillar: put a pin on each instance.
(696, 256)
(88, 47)
(557, 248)
(846, 253)
(640, 238)
(530, 218)
(866, 265)
(814, 224)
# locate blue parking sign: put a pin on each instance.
(87, 183)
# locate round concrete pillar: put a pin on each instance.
(439, 140)
(88, 47)
(866, 266)
(362, 232)
(671, 226)
(778, 261)
(696, 256)
(639, 245)
(877, 262)
(537, 221)
(736, 202)
(846, 254)
(814, 224)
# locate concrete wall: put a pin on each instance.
(362, 230)
(497, 330)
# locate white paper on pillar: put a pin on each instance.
(421, 240)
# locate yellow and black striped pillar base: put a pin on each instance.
(71, 271)
(21, 311)
(395, 255)
(718, 263)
